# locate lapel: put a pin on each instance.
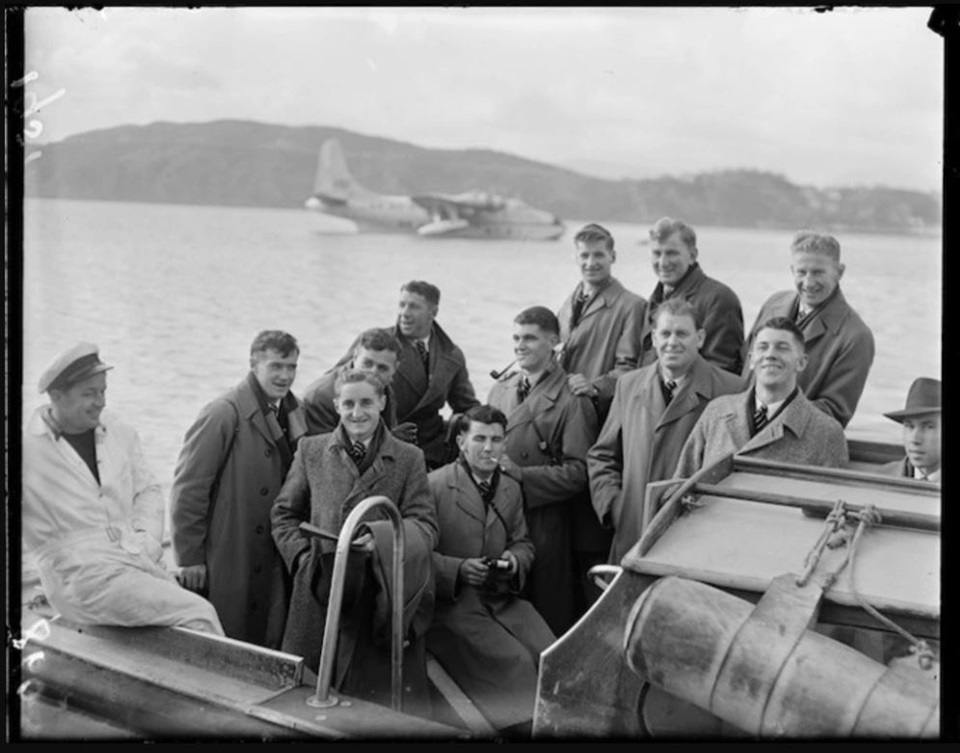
(687, 400)
(39, 425)
(604, 299)
(543, 396)
(467, 496)
(249, 408)
(829, 319)
(442, 365)
(737, 422)
(793, 418)
(648, 398)
(73, 459)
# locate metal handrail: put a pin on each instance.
(331, 630)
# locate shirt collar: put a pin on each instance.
(934, 476)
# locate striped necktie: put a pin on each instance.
(759, 418)
(668, 389)
(422, 351)
(357, 451)
(523, 389)
(485, 488)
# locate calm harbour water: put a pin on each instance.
(173, 295)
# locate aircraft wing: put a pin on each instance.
(460, 205)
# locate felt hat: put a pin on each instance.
(73, 365)
(923, 397)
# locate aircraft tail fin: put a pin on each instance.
(333, 178)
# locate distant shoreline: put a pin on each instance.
(924, 232)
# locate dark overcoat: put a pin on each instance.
(227, 526)
(420, 395)
(488, 641)
(641, 440)
(839, 347)
(722, 319)
(548, 435)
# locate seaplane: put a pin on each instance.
(472, 214)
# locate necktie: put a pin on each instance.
(578, 305)
(357, 451)
(523, 389)
(422, 351)
(485, 488)
(668, 389)
(760, 418)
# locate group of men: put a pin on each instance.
(506, 505)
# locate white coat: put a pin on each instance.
(97, 546)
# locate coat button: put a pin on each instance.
(268, 452)
(263, 491)
(256, 568)
(524, 455)
(259, 529)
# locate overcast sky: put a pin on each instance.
(854, 96)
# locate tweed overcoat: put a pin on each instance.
(323, 487)
(840, 351)
(800, 434)
(548, 435)
(641, 441)
(227, 526)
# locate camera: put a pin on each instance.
(496, 564)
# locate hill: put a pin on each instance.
(244, 163)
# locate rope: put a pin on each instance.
(835, 535)
(869, 517)
(835, 522)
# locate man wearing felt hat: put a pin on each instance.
(920, 418)
(93, 514)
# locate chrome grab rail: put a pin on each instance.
(598, 571)
(328, 650)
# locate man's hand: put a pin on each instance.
(512, 559)
(510, 468)
(363, 543)
(193, 577)
(579, 385)
(473, 572)
(405, 432)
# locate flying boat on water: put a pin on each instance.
(472, 214)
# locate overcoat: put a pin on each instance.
(607, 341)
(722, 319)
(488, 641)
(903, 469)
(800, 434)
(839, 347)
(322, 416)
(323, 487)
(548, 435)
(97, 542)
(641, 441)
(420, 396)
(227, 525)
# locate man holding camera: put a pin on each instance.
(485, 636)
